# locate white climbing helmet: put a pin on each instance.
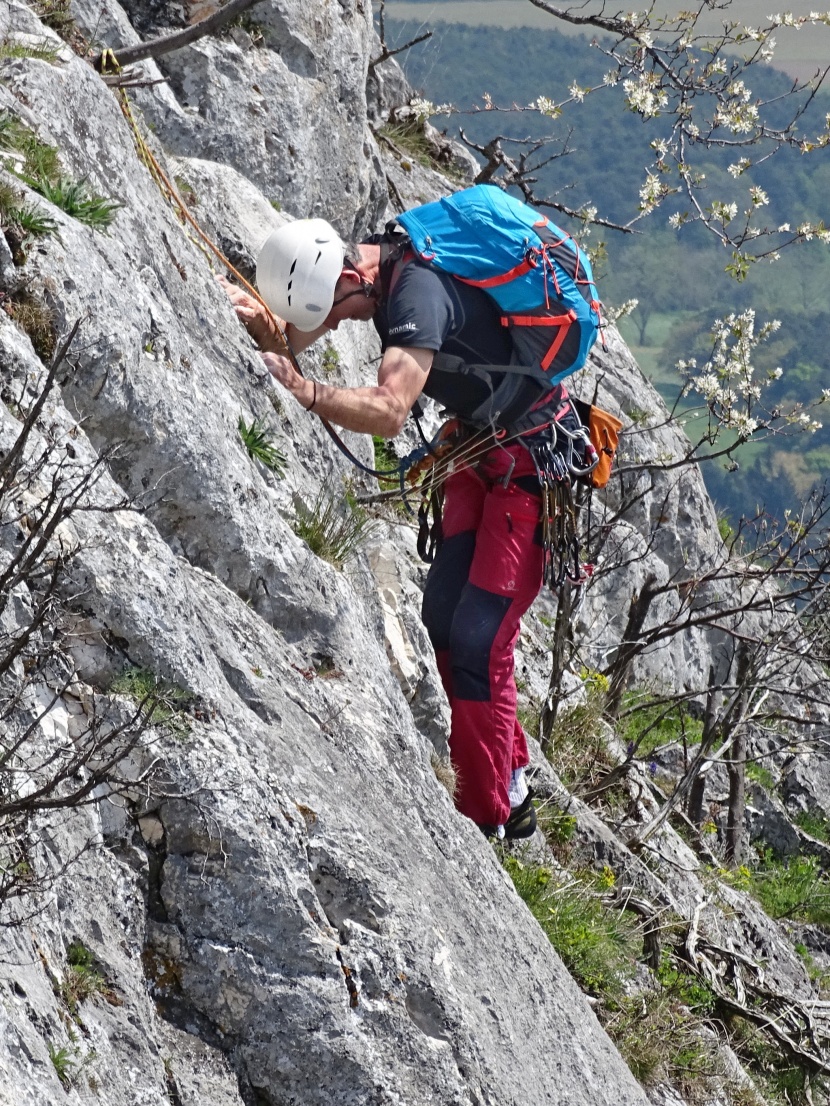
(297, 270)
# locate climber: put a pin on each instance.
(488, 569)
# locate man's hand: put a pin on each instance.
(304, 391)
(253, 317)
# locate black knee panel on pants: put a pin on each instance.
(477, 620)
(445, 582)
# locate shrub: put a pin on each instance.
(259, 442)
(332, 529)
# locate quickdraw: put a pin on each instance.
(560, 543)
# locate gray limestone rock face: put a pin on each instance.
(289, 910)
(294, 872)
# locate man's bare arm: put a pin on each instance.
(380, 409)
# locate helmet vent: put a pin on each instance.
(293, 267)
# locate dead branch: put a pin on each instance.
(165, 44)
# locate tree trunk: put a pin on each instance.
(619, 670)
(737, 769)
(561, 636)
(697, 794)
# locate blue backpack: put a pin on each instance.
(535, 272)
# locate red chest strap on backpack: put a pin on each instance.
(564, 322)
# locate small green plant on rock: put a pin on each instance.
(76, 199)
(164, 704)
(186, 190)
(331, 360)
(332, 528)
(81, 980)
(259, 442)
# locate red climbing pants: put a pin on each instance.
(485, 576)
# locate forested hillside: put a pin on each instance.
(678, 277)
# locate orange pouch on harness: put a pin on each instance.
(604, 431)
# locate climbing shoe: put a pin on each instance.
(520, 824)
(522, 820)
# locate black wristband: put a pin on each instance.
(311, 405)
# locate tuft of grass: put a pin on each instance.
(598, 945)
(164, 704)
(45, 51)
(778, 1077)
(814, 823)
(36, 319)
(333, 529)
(578, 749)
(259, 442)
(36, 163)
(35, 159)
(57, 15)
(63, 1062)
(444, 773)
(793, 888)
(645, 726)
(81, 980)
(761, 775)
(664, 1042)
(76, 199)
